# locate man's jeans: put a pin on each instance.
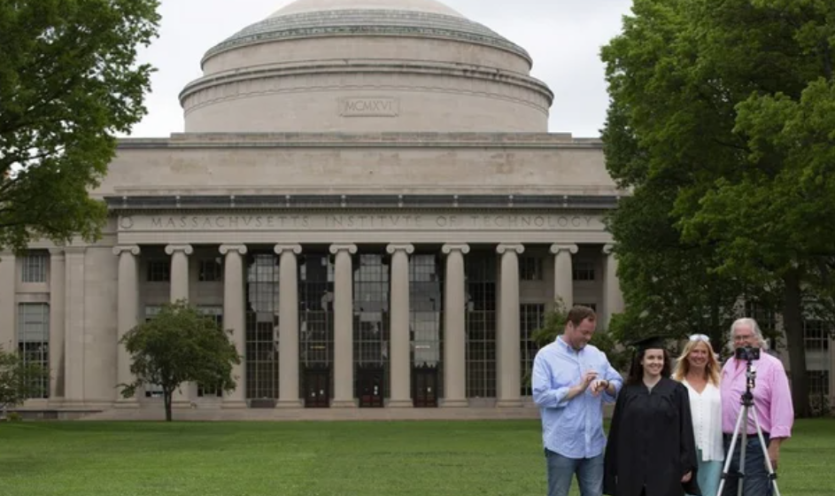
(757, 482)
(561, 470)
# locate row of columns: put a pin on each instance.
(508, 333)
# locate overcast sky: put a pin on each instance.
(563, 37)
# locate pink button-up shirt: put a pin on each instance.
(772, 397)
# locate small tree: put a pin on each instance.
(554, 325)
(178, 345)
(19, 380)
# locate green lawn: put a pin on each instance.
(339, 458)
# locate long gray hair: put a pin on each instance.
(748, 321)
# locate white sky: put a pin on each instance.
(564, 38)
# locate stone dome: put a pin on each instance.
(366, 66)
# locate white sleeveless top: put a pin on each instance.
(706, 409)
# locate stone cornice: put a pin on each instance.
(366, 22)
(374, 203)
(258, 80)
(363, 140)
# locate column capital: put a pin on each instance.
(503, 248)
(451, 247)
(58, 252)
(350, 248)
(407, 247)
(118, 250)
(241, 249)
(171, 249)
(609, 248)
(281, 248)
(558, 247)
(75, 250)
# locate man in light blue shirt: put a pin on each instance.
(571, 380)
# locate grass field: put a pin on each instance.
(312, 459)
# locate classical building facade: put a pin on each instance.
(366, 194)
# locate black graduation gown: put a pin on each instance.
(651, 442)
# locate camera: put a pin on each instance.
(747, 353)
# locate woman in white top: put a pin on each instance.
(698, 369)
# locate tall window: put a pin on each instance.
(33, 340)
(371, 317)
(480, 270)
(426, 297)
(215, 312)
(316, 316)
(261, 355)
(34, 267)
(530, 268)
(815, 335)
(531, 317)
(210, 270)
(159, 270)
(152, 390)
(583, 270)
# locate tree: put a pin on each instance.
(724, 109)
(178, 345)
(69, 80)
(19, 380)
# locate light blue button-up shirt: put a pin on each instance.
(572, 428)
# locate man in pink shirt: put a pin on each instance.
(772, 402)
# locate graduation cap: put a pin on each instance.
(650, 343)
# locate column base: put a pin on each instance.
(453, 403)
(400, 404)
(126, 403)
(234, 405)
(55, 403)
(288, 403)
(73, 405)
(343, 404)
(509, 404)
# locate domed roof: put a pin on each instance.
(318, 18)
(430, 6)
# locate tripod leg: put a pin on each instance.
(743, 444)
(729, 455)
(772, 477)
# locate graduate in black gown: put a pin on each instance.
(651, 450)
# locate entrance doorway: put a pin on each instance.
(425, 386)
(317, 387)
(370, 386)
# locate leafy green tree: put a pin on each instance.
(178, 345)
(19, 380)
(69, 80)
(724, 110)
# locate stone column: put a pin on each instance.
(234, 318)
(509, 367)
(179, 291)
(612, 296)
(74, 325)
(8, 308)
(127, 317)
(400, 362)
(564, 273)
(343, 331)
(288, 325)
(57, 274)
(455, 340)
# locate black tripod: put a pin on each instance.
(741, 430)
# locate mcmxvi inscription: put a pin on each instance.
(353, 222)
(369, 107)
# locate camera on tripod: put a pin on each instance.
(747, 353)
